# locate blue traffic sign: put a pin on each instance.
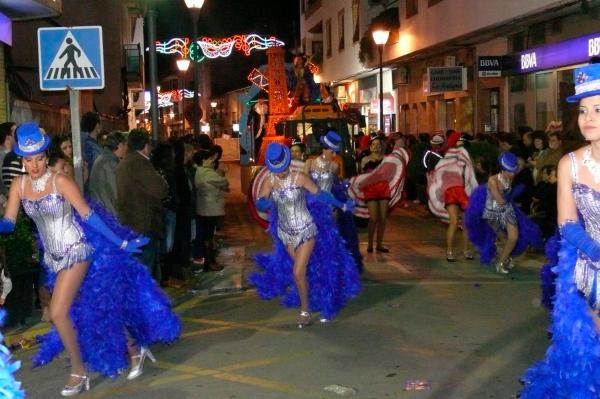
(71, 58)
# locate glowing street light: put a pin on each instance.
(183, 64)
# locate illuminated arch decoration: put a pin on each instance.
(168, 98)
(258, 79)
(207, 47)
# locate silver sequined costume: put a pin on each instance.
(588, 205)
(323, 173)
(295, 224)
(63, 239)
(498, 216)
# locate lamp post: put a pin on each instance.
(380, 37)
(183, 65)
(194, 7)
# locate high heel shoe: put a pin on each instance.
(72, 390)
(138, 369)
(450, 256)
(468, 255)
(500, 268)
(510, 263)
(303, 319)
(382, 249)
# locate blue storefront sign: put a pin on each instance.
(556, 55)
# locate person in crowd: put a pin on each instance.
(99, 290)
(301, 251)
(257, 123)
(570, 368)
(7, 140)
(210, 205)
(507, 142)
(324, 171)
(60, 156)
(544, 204)
(377, 196)
(450, 185)
(526, 145)
(491, 212)
(179, 259)
(90, 130)
(416, 172)
(549, 156)
(523, 178)
(140, 191)
(103, 178)
(163, 159)
(483, 169)
(297, 150)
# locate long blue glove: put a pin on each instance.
(6, 226)
(263, 204)
(133, 246)
(515, 192)
(577, 236)
(328, 198)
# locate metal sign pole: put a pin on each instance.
(74, 101)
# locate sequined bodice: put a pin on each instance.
(587, 201)
(63, 239)
(322, 173)
(295, 223)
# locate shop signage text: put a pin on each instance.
(490, 66)
(569, 52)
(441, 79)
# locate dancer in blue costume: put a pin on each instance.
(571, 368)
(491, 212)
(100, 292)
(309, 265)
(325, 173)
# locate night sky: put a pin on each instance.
(222, 18)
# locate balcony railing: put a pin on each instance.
(133, 63)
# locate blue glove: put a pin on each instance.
(263, 204)
(328, 198)
(577, 236)
(515, 192)
(95, 222)
(6, 226)
(343, 184)
(349, 206)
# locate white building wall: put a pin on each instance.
(342, 64)
(450, 19)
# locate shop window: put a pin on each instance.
(341, 27)
(519, 115)
(494, 109)
(537, 34)
(412, 8)
(518, 83)
(518, 41)
(328, 37)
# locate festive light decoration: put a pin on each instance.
(258, 79)
(313, 68)
(215, 48)
(168, 98)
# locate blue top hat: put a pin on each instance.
(30, 140)
(587, 82)
(331, 140)
(508, 162)
(278, 157)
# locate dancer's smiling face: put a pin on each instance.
(589, 117)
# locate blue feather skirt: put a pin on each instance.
(332, 273)
(483, 236)
(10, 388)
(571, 368)
(118, 298)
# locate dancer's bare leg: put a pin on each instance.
(512, 235)
(66, 289)
(452, 227)
(373, 207)
(382, 211)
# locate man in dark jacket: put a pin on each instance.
(140, 190)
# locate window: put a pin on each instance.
(355, 21)
(431, 3)
(494, 109)
(328, 37)
(412, 8)
(341, 27)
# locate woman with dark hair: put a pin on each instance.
(99, 290)
(210, 205)
(60, 156)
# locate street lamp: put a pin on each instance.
(183, 65)
(194, 7)
(380, 37)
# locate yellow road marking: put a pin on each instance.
(263, 362)
(232, 324)
(204, 331)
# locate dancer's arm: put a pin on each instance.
(263, 203)
(70, 191)
(7, 224)
(323, 196)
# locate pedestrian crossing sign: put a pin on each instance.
(71, 58)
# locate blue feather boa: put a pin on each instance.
(10, 388)
(332, 273)
(547, 274)
(118, 295)
(482, 235)
(570, 369)
(347, 227)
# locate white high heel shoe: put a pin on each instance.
(72, 390)
(138, 369)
